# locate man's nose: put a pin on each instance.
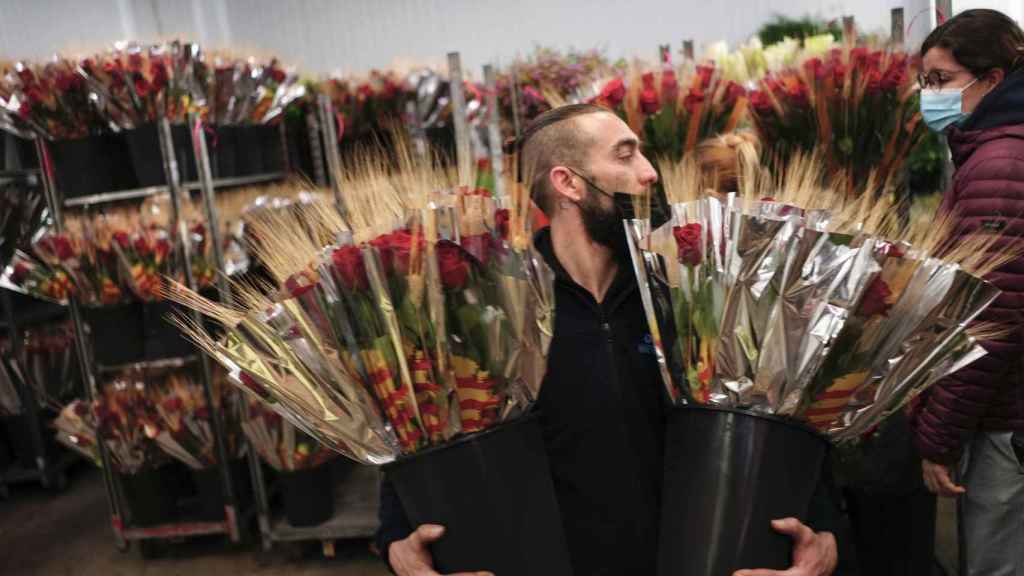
(648, 175)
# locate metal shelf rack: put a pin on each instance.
(123, 531)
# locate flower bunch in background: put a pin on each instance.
(570, 76)
(183, 425)
(858, 105)
(135, 84)
(412, 320)
(279, 443)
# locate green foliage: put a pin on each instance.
(782, 27)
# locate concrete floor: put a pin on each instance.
(67, 534)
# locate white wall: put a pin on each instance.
(323, 36)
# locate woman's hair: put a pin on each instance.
(722, 158)
(981, 40)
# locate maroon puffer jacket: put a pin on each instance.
(987, 193)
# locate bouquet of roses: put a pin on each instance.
(806, 313)
(280, 444)
(674, 115)
(76, 429)
(122, 412)
(858, 105)
(30, 276)
(52, 99)
(394, 338)
(183, 427)
(548, 73)
(365, 107)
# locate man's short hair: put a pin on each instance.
(553, 139)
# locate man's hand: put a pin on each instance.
(410, 557)
(814, 554)
(939, 481)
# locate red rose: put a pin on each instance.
(65, 81)
(21, 271)
(278, 75)
(364, 92)
(135, 61)
(141, 86)
(401, 247)
(348, 262)
(694, 98)
(478, 245)
(62, 248)
(705, 73)
(688, 240)
(122, 239)
(162, 249)
(613, 93)
(838, 73)
(159, 72)
(734, 92)
(453, 265)
(649, 103)
(203, 413)
(875, 299)
(383, 245)
(760, 101)
(173, 404)
(501, 220)
(874, 82)
(815, 68)
(25, 110)
(797, 93)
(80, 409)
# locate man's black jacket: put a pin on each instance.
(602, 411)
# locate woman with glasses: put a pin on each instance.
(972, 85)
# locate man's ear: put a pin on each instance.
(565, 185)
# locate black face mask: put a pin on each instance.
(604, 225)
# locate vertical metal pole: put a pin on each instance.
(849, 30)
(494, 131)
(53, 201)
(330, 134)
(183, 249)
(223, 287)
(463, 152)
(516, 122)
(316, 151)
(896, 28)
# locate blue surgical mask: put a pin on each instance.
(941, 108)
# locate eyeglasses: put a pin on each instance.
(938, 78)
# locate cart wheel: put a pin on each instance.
(149, 549)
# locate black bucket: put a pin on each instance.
(83, 166)
(728, 474)
(117, 333)
(308, 495)
(161, 338)
(493, 493)
(248, 150)
(150, 500)
(210, 488)
(144, 146)
(221, 149)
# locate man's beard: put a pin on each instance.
(604, 223)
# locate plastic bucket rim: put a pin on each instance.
(790, 422)
(460, 440)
